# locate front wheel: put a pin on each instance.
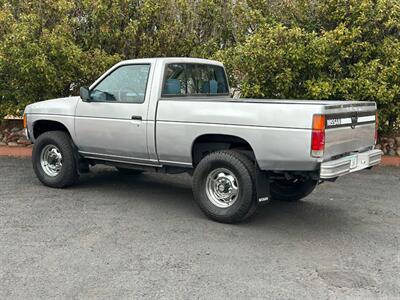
(292, 190)
(224, 186)
(53, 159)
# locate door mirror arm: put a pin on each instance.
(235, 93)
(84, 92)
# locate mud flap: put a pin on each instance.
(262, 186)
(82, 164)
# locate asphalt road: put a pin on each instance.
(113, 236)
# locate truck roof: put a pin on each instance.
(172, 60)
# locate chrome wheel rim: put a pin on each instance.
(51, 160)
(222, 187)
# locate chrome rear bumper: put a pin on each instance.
(350, 163)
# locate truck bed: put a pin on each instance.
(279, 131)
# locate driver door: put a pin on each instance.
(112, 125)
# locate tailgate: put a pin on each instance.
(349, 128)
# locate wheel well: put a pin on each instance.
(43, 126)
(208, 143)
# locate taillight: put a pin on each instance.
(25, 123)
(376, 127)
(318, 136)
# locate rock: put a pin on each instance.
(12, 138)
(391, 152)
(1, 136)
(398, 151)
(397, 140)
(3, 144)
(15, 129)
(21, 132)
(23, 141)
(12, 144)
(384, 150)
(378, 146)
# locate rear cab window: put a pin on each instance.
(194, 79)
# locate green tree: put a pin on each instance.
(333, 49)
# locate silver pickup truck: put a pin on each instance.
(176, 115)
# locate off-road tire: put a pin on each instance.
(243, 169)
(68, 174)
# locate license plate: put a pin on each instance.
(353, 161)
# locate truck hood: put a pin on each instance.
(61, 106)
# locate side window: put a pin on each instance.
(125, 84)
(194, 80)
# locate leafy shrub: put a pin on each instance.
(347, 50)
(333, 49)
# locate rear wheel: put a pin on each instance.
(53, 159)
(292, 190)
(224, 186)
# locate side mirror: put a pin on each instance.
(235, 93)
(85, 94)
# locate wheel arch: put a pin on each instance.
(210, 142)
(45, 125)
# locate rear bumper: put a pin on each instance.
(349, 164)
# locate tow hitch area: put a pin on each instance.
(351, 163)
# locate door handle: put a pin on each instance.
(136, 118)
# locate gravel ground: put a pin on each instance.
(113, 236)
